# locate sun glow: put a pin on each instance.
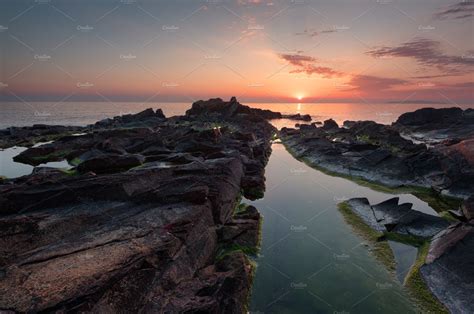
(299, 97)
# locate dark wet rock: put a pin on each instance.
(448, 270)
(145, 118)
(110, 163)
(348, 124)
(298, 116)
(28, 136)
(139, 223)
(378, 153)
(467, 208)
(330, 124)
(431, 125)
(389, 216)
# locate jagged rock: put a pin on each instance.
(298, 116)
(330, 124)
(378, 153)
(467, 208)
(436, 125)
(389, 216)
(107, 239)
(448, 270)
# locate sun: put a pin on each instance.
(299, 97)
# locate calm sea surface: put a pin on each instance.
(310, 260)
(82, 113)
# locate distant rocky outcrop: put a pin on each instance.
(378, 153)
(435, 125)
(147, 220)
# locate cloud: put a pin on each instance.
(307, 64)
(297, 60)
(461, 10)
(325, 72)
(426, 52)
(314, 33)
(371, 83)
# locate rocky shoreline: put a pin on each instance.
(150, 216)
(149, 219)
(380, 154)
(429, 149)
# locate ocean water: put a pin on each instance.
(82, 113)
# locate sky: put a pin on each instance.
(257, 50)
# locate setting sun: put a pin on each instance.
(299, 97)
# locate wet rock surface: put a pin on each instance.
(449, 271)
(435, 125)
(378, 153)
(146, 220)
(390, 216)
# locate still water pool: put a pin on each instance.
(310, 259)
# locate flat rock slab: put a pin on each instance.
(389, 216)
